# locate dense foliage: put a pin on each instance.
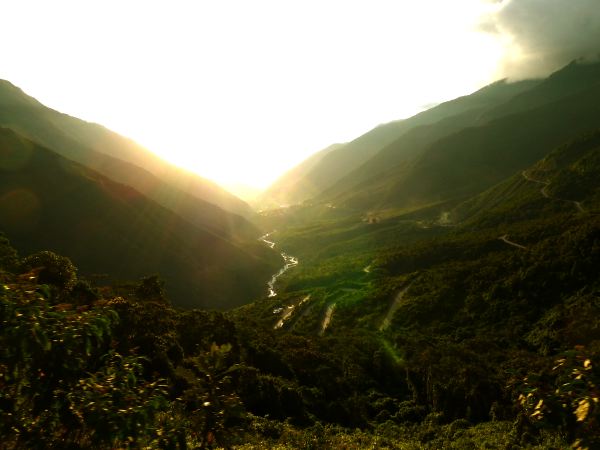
(133, 372)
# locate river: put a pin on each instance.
(289, 262)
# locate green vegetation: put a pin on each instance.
(450, 371)
(450, 321)
(457, 309)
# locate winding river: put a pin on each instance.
(289, 262)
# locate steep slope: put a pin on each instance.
(346, 162)
(451, 117)
(49, 202)
(91, 144)
(292, 187)
(571, 79)
(495, 101)
(476, 158)
(565, 179)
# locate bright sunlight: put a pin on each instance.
(241, 91)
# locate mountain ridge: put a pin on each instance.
(477, 155)
(107, 227)
(38, 123)
(91, 143)
(346, 164)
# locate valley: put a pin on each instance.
(443, 291)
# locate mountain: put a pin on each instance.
(105, 151)
(475, 158)
(444, 120)
(565, 179)
(344, 165)
(442, 337)
(48, 202)
(575, 77)
(292, 187)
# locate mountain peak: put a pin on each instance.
(14, 96)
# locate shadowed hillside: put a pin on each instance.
(566, 179)
(106, 152)
(476, 158)
(443, 120)
(359, 160)
(49, 202)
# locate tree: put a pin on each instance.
(63, 385)
(8, 255)
(151, 288)
(213, 405)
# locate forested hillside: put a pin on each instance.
(428, 127)
(473, 307)
(449, 164)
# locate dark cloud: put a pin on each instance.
(546, 34)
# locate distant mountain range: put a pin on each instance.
(349, 164)
(115, 156)
(455, 149)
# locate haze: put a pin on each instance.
(241, 91)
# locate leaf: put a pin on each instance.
(582, 410)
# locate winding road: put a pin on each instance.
(544, 191)
(504, 239)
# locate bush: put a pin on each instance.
(52, 269)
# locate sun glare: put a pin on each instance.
(241, 92)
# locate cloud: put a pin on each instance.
(543, 35)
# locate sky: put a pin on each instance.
(241, 91)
